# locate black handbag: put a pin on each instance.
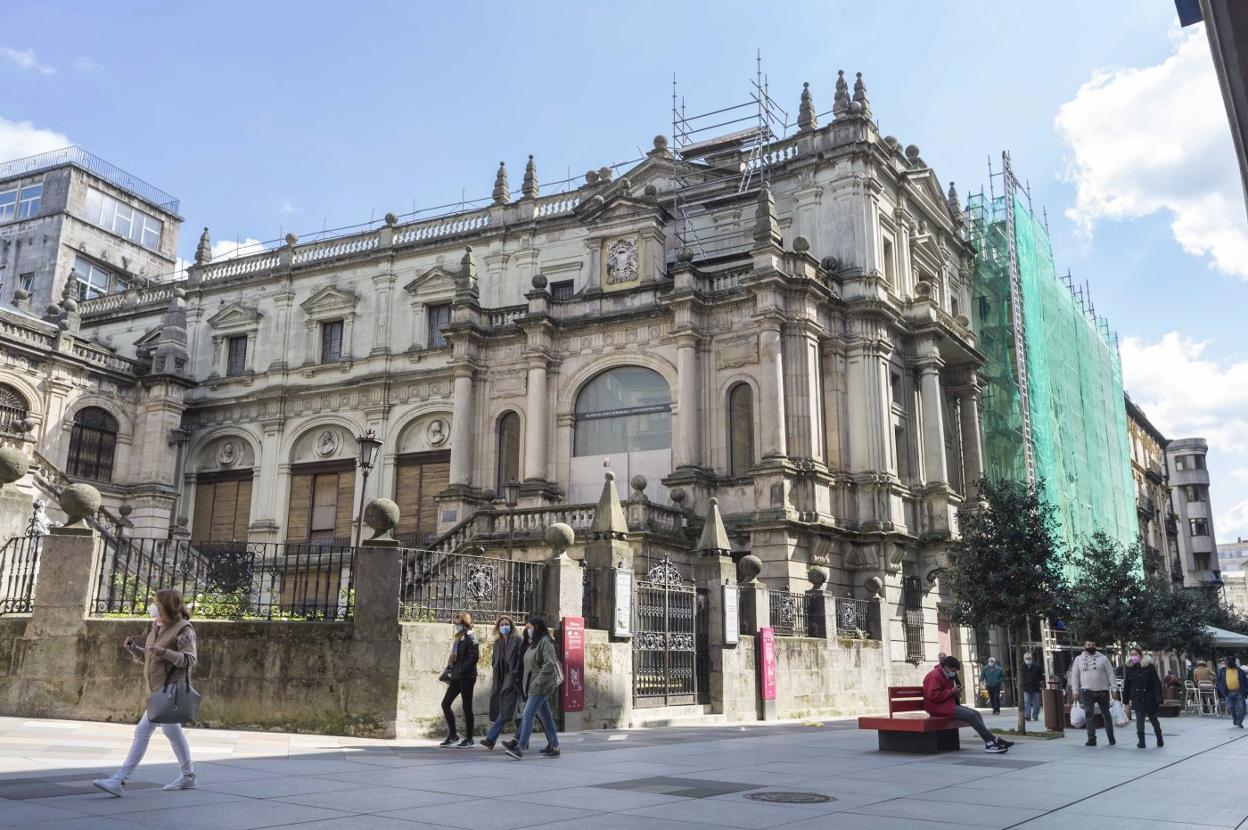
(445, 676)
(173, 702)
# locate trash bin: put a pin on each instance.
(1054, 709)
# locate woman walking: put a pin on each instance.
(542, 676)
(167, 657)
(507, 678)
(461, 671)
(993, 677)
(1141, 687)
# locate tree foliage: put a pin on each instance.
(1172, 619)
(1105, 591)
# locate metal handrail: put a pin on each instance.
(92, 164)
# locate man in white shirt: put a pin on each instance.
(1092, 680)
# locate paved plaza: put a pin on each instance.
(731, 776)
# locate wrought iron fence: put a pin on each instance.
(790, 613)
(433, 586)
(853, 617)
(19, 562)
(589, 596)
(229, 580)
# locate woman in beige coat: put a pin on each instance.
(167, 656)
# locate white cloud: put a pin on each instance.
(287, 208)
(1156, 138)
(85, 64)
(1188, 395)
(19, 139)
(25, 59)
(228, 249)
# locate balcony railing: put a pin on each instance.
(853, 617)
(434, 586)
(1145, 505)
(12, 420)
(228, 580)
(19, 562)
(790, 615)
(92, 164)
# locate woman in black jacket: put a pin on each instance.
(507, 676)
(461, 671)
(1141, 687)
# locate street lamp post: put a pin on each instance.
(369, 445)
(511, 494)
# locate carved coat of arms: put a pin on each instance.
(622, 261)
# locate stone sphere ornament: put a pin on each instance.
(560, 537)
(801, 244)
(639, 483)
(817, 576)
(13, 464)
(79, 501)
(874, 586)
(382, 515)
(539, 281)
(748, 568)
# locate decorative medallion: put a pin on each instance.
(480, 582)
(664, 573)
(622, 262)
(327, 443)
(227, 454)
(437, 432)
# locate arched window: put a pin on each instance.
(13, 409)
(628, 409)
(92, 443)
(740, 429)
(508, 466)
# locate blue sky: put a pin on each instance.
(264, 118)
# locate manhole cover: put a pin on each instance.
(790, 798)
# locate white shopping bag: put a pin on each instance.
(1077, 719)
(1119, 713)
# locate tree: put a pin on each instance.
(1105, 591)
(1172, 620)
(1005, 567)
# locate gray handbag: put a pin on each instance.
(173, 702)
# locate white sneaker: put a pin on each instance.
(112, 786)
(184, 782)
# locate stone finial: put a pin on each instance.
(840, 104)
(390, 219)
(766, 226)
(748, 568)
(609, 520)
(605, 174)
(955, 205)
(806, 120)
(21, 298)
(714, 538)
(591, 177)
(639, 485)
(860, 97)
(79, 501)
(913, 154)
(817, 576)
(468, 265)
(291, 240)
(660, 147)
(801, 244)
(529, 188)
(382, 515)
(502, 191)
(203, 251)
(13, 465)
(560, 537)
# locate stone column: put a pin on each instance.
(717, 573)
(687, 447)
(536, 418)
(755, 607)
(972, 452)
(771, 389)
(377, 575)
(462, 428)
(267, 494)
(935, 464)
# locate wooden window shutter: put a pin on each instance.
(408, 497)
(242, 510)
(201, 523)
(434, 479)
(223, 506)
(346, 497)
(300, 508)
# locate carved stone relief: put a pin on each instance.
(623, 262)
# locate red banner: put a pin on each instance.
(573, 664)
(767, 662)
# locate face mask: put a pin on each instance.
(1135, 659)
(459, 629)
(153, 611)
(504, 630)
(528, 633)
(1027, 660)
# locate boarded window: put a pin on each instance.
(222, 507)
(419, 478)
(321, 503)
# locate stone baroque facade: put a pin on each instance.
(810, 366)
(1159, 529)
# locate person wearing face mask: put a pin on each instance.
(1033, 682)
(938, 701)
(1232, 684)
(1092, 680)
(462, 668)
(542, 678)
(1141, 687)
(993, 677)
(507, 676)
(167, 656)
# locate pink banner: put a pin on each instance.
(573, 664)
(767, 662)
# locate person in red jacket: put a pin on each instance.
(939, 702)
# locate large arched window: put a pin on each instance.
(628, 409)
(740, 429)
(508, 466)
(13, 409)
(92, 444)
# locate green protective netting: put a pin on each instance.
(1074, 382)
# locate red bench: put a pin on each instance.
(913, 733)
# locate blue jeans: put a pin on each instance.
(1235, 706)
(537, 706)
(496, 728)
(1031, 705)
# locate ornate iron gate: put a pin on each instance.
(665, 639)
